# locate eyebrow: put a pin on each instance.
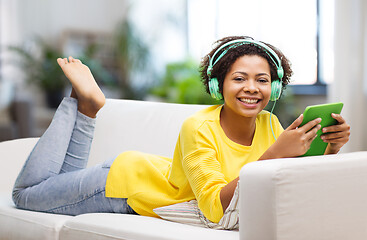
(257, 75)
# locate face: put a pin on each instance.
(247, 86)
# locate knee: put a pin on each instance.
(16, 196)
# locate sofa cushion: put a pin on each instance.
(104, 226)
(18, 224)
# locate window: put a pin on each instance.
(290, 25)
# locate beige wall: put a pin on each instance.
(350, 82)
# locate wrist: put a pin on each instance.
(331, 150)
(270, 153)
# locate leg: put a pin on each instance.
(77, 155)
(90, 100)
(63, 148)
(47, 157)
(74, 193)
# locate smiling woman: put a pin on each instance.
(212, 146)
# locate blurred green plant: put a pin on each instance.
(182, 84)
(101, 74)
(132, 55)
(285, 108)
(41, 69)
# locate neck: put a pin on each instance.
(238, 128)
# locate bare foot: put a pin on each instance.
(90, 97)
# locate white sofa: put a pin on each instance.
(286, 199)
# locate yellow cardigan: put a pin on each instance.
(204, 161)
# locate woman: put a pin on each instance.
(212, 147)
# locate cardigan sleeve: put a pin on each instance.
(203, 170)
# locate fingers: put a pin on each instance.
(312, 134)
(296, 123)
(338, 118)
(311, 124)
(338, 133)
(309, 137)
(308, 132)
(335, 138)
(341, 126)
(302, 137)
(344, 128)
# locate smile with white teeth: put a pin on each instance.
(248, 100)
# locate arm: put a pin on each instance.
(206, 180)
(198, 156)
(293, 142)
(226, 193)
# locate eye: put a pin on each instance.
(239, 79)
(263, 80)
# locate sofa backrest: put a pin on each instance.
(150, 127)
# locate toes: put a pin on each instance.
(61, 62)
(71, 59)
(76, 60)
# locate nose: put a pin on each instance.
(251, 86)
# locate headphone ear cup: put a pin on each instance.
(276, 90)
(214, 89)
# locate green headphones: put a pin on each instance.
(276, 85)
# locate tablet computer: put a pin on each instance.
(324, 112)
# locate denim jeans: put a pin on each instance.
(54, 178)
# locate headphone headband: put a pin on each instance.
(238, 42)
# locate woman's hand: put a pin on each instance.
(294, 141)
(337, 135)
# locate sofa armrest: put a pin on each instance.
(321, 197)
(12, 156)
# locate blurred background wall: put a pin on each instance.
(150, 50)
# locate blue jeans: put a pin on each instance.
(54, 178)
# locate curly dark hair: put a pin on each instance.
(221, 68)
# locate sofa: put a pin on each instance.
(321, 197)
